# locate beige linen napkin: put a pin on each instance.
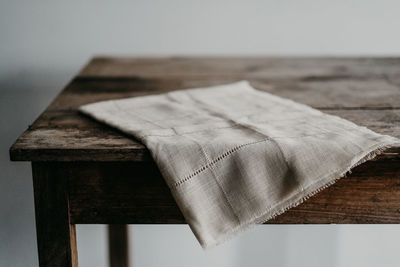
(234, 156)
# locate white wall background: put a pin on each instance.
(43, 43)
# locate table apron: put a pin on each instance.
(136, 193)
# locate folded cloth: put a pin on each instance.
(234, 156)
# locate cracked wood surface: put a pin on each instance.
(363, 90)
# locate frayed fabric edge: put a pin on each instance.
(298, 199)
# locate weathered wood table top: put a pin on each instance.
(363, 90)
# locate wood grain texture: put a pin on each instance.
(55, 234)
(118, 193)
(249, 67)
(69, 136)
(363, 90)
(128, 192)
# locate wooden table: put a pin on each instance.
(85, 172)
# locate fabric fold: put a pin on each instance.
(234, 156)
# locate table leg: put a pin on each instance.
(118, 245)
(55, 235)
